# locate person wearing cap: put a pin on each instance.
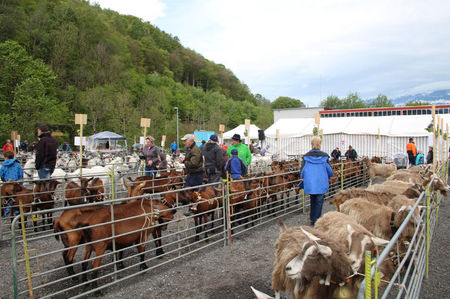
(243, 150)
(412, 151)
(45, 152)
(351, 153)
(235, 166)
(193, 161)
(151, 155)
(173, 148)
(336, 154)
(315, 172)
(213, 159)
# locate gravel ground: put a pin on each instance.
(228, 272)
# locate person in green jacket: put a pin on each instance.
(243, 150)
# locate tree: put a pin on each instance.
(286, 102)
(381, 101)
(332, 102)
(353, 101)
(417, 103)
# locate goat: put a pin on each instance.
(373, 196)
(44, 192)
(206, 200)
(306, 258)
(397, 187)
(382, 170)
(77, 194)
(96, 190)
(355, 238)
(381, 220)
(127, 231)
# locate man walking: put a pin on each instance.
(213, 159)
(315, 173)
(45, 152)
(193, 161)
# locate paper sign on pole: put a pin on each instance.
(221, 128)
(317, 118)
(141, 140)
(77, 141)
(80, 119)
(145, 122)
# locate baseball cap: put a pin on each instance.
(234, 151)
(213, 137)
(188, 136)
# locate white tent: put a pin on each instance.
(360, 132)
(240, 130)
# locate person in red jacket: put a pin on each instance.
(8, 147)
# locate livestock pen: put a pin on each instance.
(210, 219)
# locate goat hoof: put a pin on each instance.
(143, 266)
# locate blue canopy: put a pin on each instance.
(106, 141)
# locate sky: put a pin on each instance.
(310, 49)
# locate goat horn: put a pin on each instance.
(259, 294)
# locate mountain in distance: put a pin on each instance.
(435, 97)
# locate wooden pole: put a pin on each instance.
(277, 140)
(438, 155)
(81, 119)
(247, 128)
(443, 141)
(221, 130)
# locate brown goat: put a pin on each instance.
(77, 194)
(44, 193)
(127, 232)
(206, 200)
(96, 190)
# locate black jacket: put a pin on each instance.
(213, 156)
(46, 151)
(336, 155)
(430, 157)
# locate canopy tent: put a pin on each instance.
(406, 125)
(106, 141)
(360, 132)
(240, 130)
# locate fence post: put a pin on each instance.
(303, 199)
(25, 247)
(428, 230)
(342, 175)
(368, 264)
(228, 219)
(113, 234)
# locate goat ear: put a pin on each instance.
(283, 226)
(259, 294)
(349, 239)
(378, 241)
(325, 250)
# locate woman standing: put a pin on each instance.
(315, 173)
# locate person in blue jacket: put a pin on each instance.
(420, 158)
(11, 169)
(235, 166)
(315, 173)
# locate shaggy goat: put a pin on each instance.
(373, 196)
(305, 256)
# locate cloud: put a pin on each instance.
(304, 49)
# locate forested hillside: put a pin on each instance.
(61, 57)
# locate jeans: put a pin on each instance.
(150, 170)
(45, 173)
(194, 179)
(316, 207)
